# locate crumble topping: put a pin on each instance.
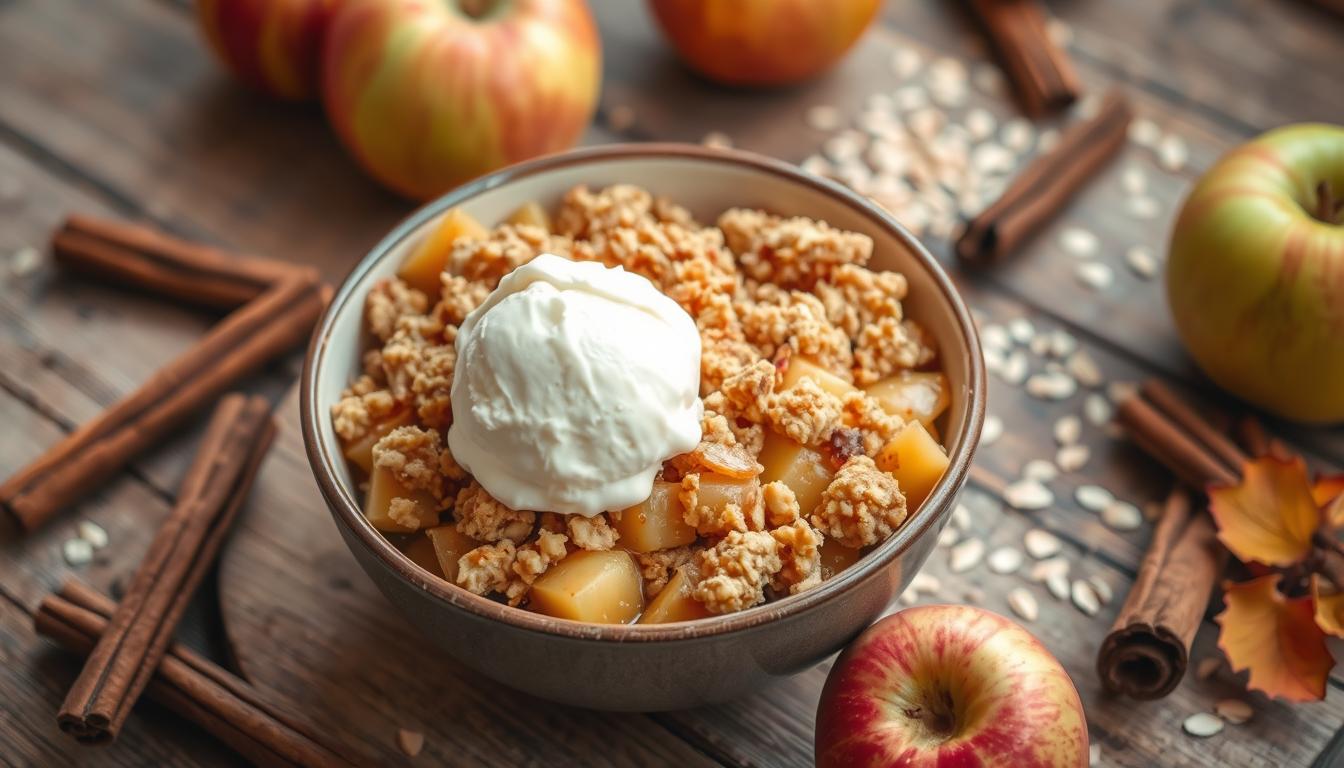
(863, 505)
(781, 505)
(360, 407)
(508, 247)
(459, 297)
(534, 559)
(886, 348)
(794, 252)
(735, 572)
(875, 426)
(657, 567)
(711, 520)
(487, 568)
(388, 302)
(484, 518)
(805, 412)
(800, 555)
(747, 392)
(593, 533)
(412, 455)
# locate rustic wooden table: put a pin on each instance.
(117, 109)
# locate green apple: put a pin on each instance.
(1255, 277)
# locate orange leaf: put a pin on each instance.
(1327, 489)
(1329, 608)
(1276, 638)
(1270, 516)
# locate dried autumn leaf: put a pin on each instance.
(1329, 607)
(1270, 516)
(730, 460)
(1328, 492)
(1276, 638)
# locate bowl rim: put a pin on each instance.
(345, 509)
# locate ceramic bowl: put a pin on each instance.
(668, 666)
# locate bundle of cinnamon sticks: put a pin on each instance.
(1039, 69)
(1147, 651)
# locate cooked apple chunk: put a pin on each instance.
(394, 508)
(425, 264)
(836, 557)
(449, 546)
(530, 214)
(803, 469)
(800, 366)
(421, 551)
(916, 460)
(655, 523)
(596, 587)
(913, 396)
(674, 602)
(360, 452)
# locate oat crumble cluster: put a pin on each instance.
(767, 294)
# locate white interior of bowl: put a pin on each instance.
(706, 186)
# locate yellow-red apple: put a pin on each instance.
(762, 42)
(427, 95)
(1255, 277)
(274, 46)
(941, 685)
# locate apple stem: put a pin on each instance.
(1327, 207)
(477, 9)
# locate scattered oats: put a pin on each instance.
(25, 261)
(947, 70)
(1023, 603)
(817, 165)
(1122, 516)
(948, 536)
(1052, 385)
(974, 595)
(1099, 585)
(1172, 153)
(948, 94)
(993, 359)
(1208, 667)
(1133, 180)
(1048, 140)
(1145, 133)
(1079, 242)
(926, 123)
(1142, 261)
(77, 552)
(1144, 207)
(980, 123)
(823, 117)
(411, 742)
(905, 62)
(992, 430)
(1093, 498)
(1040, 470)
(93, 533)
(910, 97)
(1093, 754)
(1202, 724)
(1057, 584)
(843, 147)
(1017, 135)
(966, 555)
(1021, 330)
(1072, 458)
(1084, 598)
(988, 79)
(1041, 544)
(996, 336)
(1082, 367)
(1062, 343)
(1040, 345)
(961, 517)
(1068, 429)
(1234, 711)
(1015, 368)
(1120, 391)
(717, 140)
(1004, 560)
(1060, 34)
(926, 582)
(909, 597)
(1096, 275)
(989, 158)
(1057, 565)
(1097, 409)
(620, 117)
(1028, 495)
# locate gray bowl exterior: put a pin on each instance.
(650, 667)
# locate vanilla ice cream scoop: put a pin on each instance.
(573, 383)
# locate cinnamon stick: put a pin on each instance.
(1147, 651)
(1041, 191)
(148, 259)
(255, 725)
(141, 627)
(1172, 445)
(276, 322)
(1040, 70)
(1186, 417)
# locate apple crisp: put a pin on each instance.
(822, 404)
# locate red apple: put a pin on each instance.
(272, 45)
(949, 685)
(1255, 277)
(428, 94)
(762, 42)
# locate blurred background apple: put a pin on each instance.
(427, 95)
(763, 42)
(274, 46)
(1255, 277)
